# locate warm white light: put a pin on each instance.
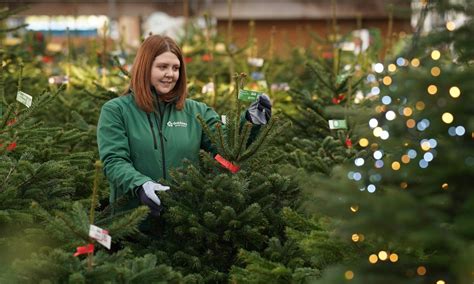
(390, 115)
(378, 67)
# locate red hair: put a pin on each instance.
(140, 82)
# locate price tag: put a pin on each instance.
(58, 80)
(253, 61)
(280, 86)
(338, 124)
(24, 98)
(208, 88)
(249, 96)
(100, 235)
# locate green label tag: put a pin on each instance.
(24, 98)
(249, 96)
(338, 124)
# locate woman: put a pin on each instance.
(153, 127)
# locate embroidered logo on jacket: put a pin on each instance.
(177, 124)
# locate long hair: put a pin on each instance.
(140, 82)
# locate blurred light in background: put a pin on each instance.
(57, 25)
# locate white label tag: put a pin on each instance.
(58, 80)
(337, 124)
(254, 61)
(24, 98)
(224, 119)
(100, 235)
(208, 88)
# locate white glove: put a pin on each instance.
(150, 188)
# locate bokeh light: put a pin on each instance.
(390, 115)
(373, 258)
(392, 67)
(454, 92)
(349, 275)
(355, 238)
(415, 62)
(411, 123)
(378, 67)
(460, 130)
(379, 164)
(371, 188)
(363, 142)
(386, 100)
(420, 105)
(432, 89)
(373, 122)
(383, 255)
(435, 71)
(387, 80)
(447, 118)
(377, 131)
(405, 159)
(435, 54)
(378, 155)
(359, 162)
(407, 111)
(421, 270)
(395, 166)
(450, 26)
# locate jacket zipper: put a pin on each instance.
(152, 131)
(160, 130)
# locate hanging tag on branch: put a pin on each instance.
(58, 80)
(226, 164)
(248, 96)
(89, 248)
(337, 124)
(208, 88)
(256, 62)
(348, 142)
(24, 98)
(280, 86)
(100, 235)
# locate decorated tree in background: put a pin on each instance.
(324, 103)
(408, 201)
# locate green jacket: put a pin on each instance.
(136, 147)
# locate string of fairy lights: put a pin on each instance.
(390, 109)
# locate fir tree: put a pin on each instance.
(411, 199)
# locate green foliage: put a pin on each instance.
(420, 198)
(308, 250)
(232, 141)
(210, 216)
(56, 265)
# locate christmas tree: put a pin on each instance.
(408, 202)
